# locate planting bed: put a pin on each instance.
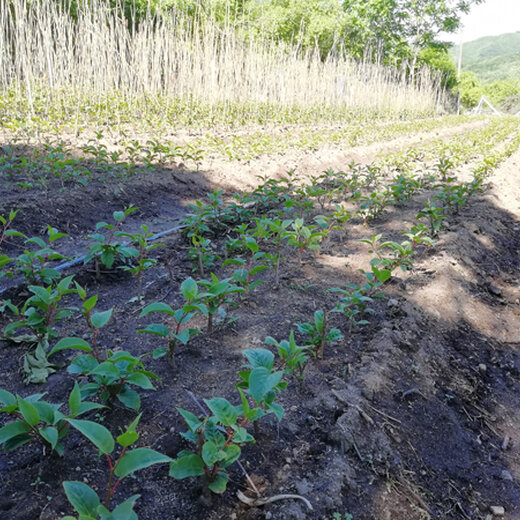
(413, 415)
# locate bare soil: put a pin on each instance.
(413, 416)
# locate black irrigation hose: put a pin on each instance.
(79, 259)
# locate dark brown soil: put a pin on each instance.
(413, 416)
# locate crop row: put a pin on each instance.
(95, 160)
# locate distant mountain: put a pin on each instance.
(492, 57)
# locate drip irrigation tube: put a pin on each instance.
(79, 259)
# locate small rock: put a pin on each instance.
(172, 429)
(482, 368)
(268, 515)
(497, 510)
(495, 291)
(233, 516)
(392, 302)
(505, 475)
(78, 468)
(293, 408)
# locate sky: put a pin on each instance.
(491, 18)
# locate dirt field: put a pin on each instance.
(413, 416)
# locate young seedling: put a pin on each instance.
(38, 421)
(444, 166)
(84, 499)
(217, 294)
(143, 260)
(34, 265)
(258, 261)
(95, 320)
(106, 250)
(5, 232)
(418, 235)
(353, 303)
(279, 229)
(39, 314)
(336, 221)
(202, 254)
(293, 358)
(261, 383)
(400, 256)
(317, 333)
(217, 439)
(373, 205)
(435, 216)
(304, 237)
(178, 333)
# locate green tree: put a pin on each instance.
(402, 28)
(470, 89)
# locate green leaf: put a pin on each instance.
(63, 285)
(130, 398)
(50, 434)
(382, 275)
(13, 430)
(82, 364)
(191, 420)
(127, 439)
(277, 410)
(95, 433)
(72, 344)
(75, 399)
(81, 291)
(83, 499)
(138, 459)
(261, 381)
(106, 369)
(125, 511)
(187, 466)
(231, 454)
(159, 352)
(107, 258)
(100, 319)
(189, 289)
(220, 483)
(28, 411)
(319, 319)
(7, 398)
(156, 328)
(90, 303)
(223, 410)
(157, 307)
(260, 357)
(210, 453)
(42, 293)
(139, 379)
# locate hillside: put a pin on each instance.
(493, 57)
